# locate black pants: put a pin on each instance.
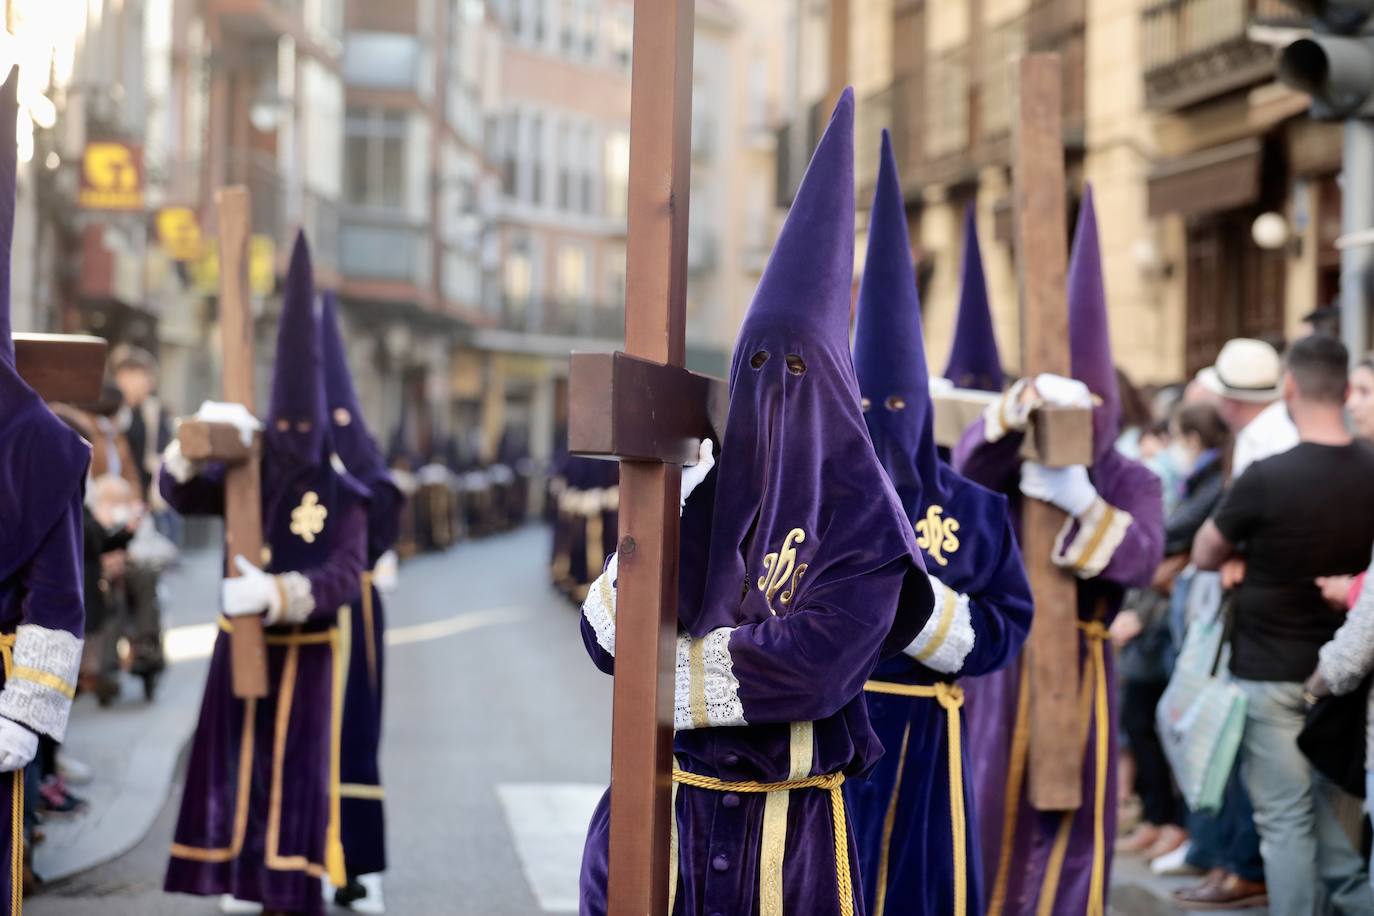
(1154, 781)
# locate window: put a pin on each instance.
(541, 13)
(589, 28)
(536, 154)
(519, 278)
(567, 27)
(509, 149)
(563, 149)
(383, 60)
(375, 158)
(587, 203)
(572, 274)
(617, 172)
(620, 38)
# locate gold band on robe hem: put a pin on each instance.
(951, 699)
(286, 691)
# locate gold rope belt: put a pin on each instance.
(951, 699)
(16, 800)
(309, 638)
(1093, 713)
(830, 782)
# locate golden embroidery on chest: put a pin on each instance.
(936, 535)
(307, 519)
(781, 569)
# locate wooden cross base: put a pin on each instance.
(66, 368)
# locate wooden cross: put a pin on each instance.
(1041, 225)
(645, 409)
(62, 368)
(202, 441)
(1056, 437)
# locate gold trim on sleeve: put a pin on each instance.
(937, 638)
(44, 679)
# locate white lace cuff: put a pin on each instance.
(1006, 414)
(707, 694)
(948, 637)
(599, 608)
(297, 599)
(1086, 551)
(39, 691)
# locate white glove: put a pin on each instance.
(178, 465)
(1058, 391)
(693, 475)
(236, 415)
(18, 746)
(251, 592)
(386, 573)
(1068, 488)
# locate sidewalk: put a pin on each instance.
(1136, 891)
(133, 746)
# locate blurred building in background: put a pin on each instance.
(459, 166)
(1172, 112)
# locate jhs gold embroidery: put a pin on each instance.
(936, 535)
(782, 569)
(307, 519)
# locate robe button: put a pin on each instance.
(730, 759)
(720, 863)
(730, 800)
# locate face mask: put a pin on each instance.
(1181, 457)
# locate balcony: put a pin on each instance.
(563, 318)
(373, 246)
(1195, 50)
(794, 152)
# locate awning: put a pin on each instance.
(1214, 179)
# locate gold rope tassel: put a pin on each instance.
(830, 782)
(951, 699)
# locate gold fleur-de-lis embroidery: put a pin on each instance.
(307, 519)
(781, 568)
(936, 535)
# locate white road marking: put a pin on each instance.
(186, 643)
(549, 823)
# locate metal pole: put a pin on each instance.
(1357, 214)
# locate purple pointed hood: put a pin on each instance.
(353, 442)
(9, 166)
(297, 420)
(42, 462)
(889, 350)
(798, 504)
(1090, 340)
(973, 358)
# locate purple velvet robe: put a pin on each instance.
(907, 818)
(1024, 857)
(798, 570)
(43, 466)
(359, 780)
(258, 819)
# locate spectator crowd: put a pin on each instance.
(1245, 667)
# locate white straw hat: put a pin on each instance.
(1245, 370)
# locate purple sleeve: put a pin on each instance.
(1135, 560)
(201, 495)
(53, 578)
(995, 465)
(809, 663)
(335, 581)
(1000, 612)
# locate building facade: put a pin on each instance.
(1171, 111)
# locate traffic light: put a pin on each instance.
(1335, 64)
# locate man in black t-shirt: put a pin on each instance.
(1293, 517)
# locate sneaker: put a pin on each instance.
(73, 771)
(1174, 864)
(228, 903)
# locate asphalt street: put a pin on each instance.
(497, 745)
